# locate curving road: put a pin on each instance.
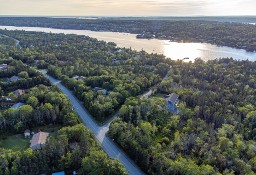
(17, 42)
(99, 131)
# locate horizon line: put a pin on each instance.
(181, 16)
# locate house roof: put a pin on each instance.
(75, 77)
(19, 92)
(39, 138)
(14, 78)
(27, 131)
(3, 66)
(97, 88)
(172, 97)
(17, 105)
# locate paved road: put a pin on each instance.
(99, 131)
(17, 42)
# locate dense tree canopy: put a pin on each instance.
(69, 149)
(214, 131)
(84, 64)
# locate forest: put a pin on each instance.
(214, 132)
(231, 34)
(44, 107)
(99, 73)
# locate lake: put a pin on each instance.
(173, 50)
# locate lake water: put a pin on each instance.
(172, 50)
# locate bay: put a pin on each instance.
(173, 50)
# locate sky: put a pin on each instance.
(127, 7)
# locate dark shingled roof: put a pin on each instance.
(172, 97)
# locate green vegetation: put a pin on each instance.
(214, 131)
(85, 64)
(15, 142)
(70, 144)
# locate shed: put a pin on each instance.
(27, 133)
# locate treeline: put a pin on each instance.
(235, 35)
(214, 133)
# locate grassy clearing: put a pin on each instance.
(159, 95)
(15, 142)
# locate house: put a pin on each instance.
(82, 77)
(27, 133)
(79, 77)
(17, 105)
(75, 77)
(96, 89)
(115, 61)
(38, 140)
(137, 56)
(73, 145)
(171, 104)
(3, 66)
(14, 78)
(19, 92)
(120, 51)
(59, 173)
(3, 98)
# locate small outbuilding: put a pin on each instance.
(27, 133)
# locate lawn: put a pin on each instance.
(159, 95)
(18, 142)
(15, 142)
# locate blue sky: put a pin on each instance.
(128, 7)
